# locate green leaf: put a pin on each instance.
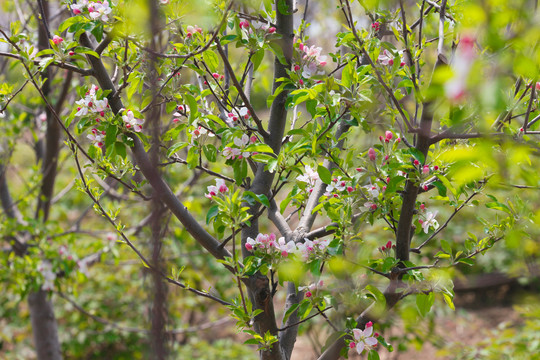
(373, 355)
(304, 309)
(417, 154)
(120, 149)
(446, 184)
(69, 21)
(260, 198)
(193, 157)
(257, 59)
(347, 75)
(448, 298)
(176, 147)
(324, 174)
(211, 60)
(212, 213)
(424, 302)
(290, 311)
(466, 261)
(240, 171)
(283, 8)
(275, 47)
(193, 107)
(446, 246)
(210, 152)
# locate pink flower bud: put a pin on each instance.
(215, 75)
(391, 62)
(76, 11)
(369, 324)
(376, 334)
(301, 82)
(386, 157)
(57, 39)
(435, 168)
(402, 64)
(350, 189)
(271, 30)
(249, 247)
(398, 140)
(284, 253)
(389, 244)
(425, 170)
(243, 24)
(352, 344)
(381, 139)
(71, 53)
(102, 114)
(388, 135)
(426, 188)
(384, 188)
(308, 293)
(422, 206)
(296, 67)
(416, 162)
(359, 169)
(372, 154)
(253, 139)
(373, 206)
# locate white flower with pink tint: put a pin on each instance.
(191, 30)
(45, 268)
(96, 137)
(131, 122)
(309, 177)
(364, 339)
(461, 66)
(219, 188)
(99, 10)
(386, 58)
(311, 288)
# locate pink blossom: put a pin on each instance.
(376, 26)
(213, 190)
(425, 170)
(388, 136)
(243, 24)
(190, 30)
(364, 339)
(372, 154)
(416, 162)
(132, 122)
(271, 30)
(57, 39)
(386, 58)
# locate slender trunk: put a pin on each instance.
(44, 326)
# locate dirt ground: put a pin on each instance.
(465, 327)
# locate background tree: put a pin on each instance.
(360, 155)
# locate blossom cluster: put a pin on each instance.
(311, 288)
(386, 58)
(338, 185)
(310, 177)
(429, 221)
(219, 188)
(97, 10)
(232, 118)
(91, 104)
(132, 123)
(45, 268)
(266, 244)
(239, 149)
(364, 339)
(311, 62)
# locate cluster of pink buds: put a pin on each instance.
(219, 188)
(232, 117)
(238, 151)
(132, 123)
(57, 39)
(97, 10)
(387, 137)
(338, 185)
(97, 137)
(218, 76)
(244, 24)
(311, 288)
(191, 30)
(387, 247)
(311, 62)
(376, 26)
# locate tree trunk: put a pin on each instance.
(44, 327)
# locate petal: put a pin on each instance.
(360, 347)
(371, 341)
(357, 333)
(368, 331)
